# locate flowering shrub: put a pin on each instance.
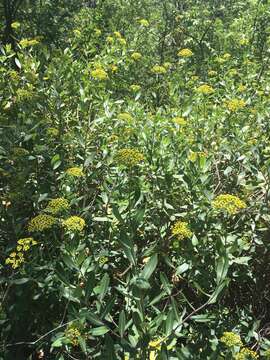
(134, 180)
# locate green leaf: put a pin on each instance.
(122, 323)
(99, 331)
(82, 344)
(169, 322)
(222, 266)
(104, 285)
(142, 283)
(150, 267)
(165, 282)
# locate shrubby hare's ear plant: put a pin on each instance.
(135, 171)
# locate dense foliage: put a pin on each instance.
(135, 179)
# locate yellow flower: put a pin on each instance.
(143, 22)
(41, 222)
(135, 87)
(179, 120)
(114, 68)
(157, 69)
(241, 88)
(153, 355)
(212, 73)
(230, 339)
(205, 89)
(102, 260)
(25, 42)
(227, 56)
(73, 333)
(75, 171)
(74, 223)
(122, 41)
(246, 354)
(98, 32)
(129, 157)
(181, 231)
(99, 74)
(136, 56)
(57, 205)
(194, 155)
(155, 344)
(109, 39)
(52, 132)
(15, 25)
(235, 104)
(243, 41)
(125, 116)
(117, 34)
(185, 53)
(167, 65)
(20, 152)
(230, 203)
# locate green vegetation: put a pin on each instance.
(134, 179)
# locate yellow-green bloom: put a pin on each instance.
(15, 25)
(75, 171)
(136, 56)
(25, 42)
(73, 334)
(246, 354)
(74, 223)
(158, 69)
(97, 32)
(181, 231)
(20, 152)
(122, 41)
(212, 73)
(109, 39)
(125, 116)
(194, 155)
(57, 205)
(41, 222)
(205, 89)
(117, 34)
(230, 339)
(235, 104)
(52, 132)
(185, 53)
(179, 120)
(103, 260)
(231, 203)
(99, 74)
(135, 87)
(129, 157)
(143, 22)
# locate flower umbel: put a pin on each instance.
(205, 89)
(99, 74)
(185, 53)
(74, 223)
(129, 157)
(181, 230)
(75, 171)
(231, 203)
(230, 339)
(57, 205)
(246, 354)
(158, 69)
(41, 222)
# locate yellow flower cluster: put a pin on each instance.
(158, 69)
(73, 333)
(113, 68)
(155, 344)
(230, 339)
(235, 104)
(243, 41)
(52, 132)
(246, 354)
(205, 89)
(179, 120)
(185, 53)
(144, 22)
(75, 171)
(74, 223)
(15, 25)
(99, 74)
(97, 32)
(25, 94)
(103, 260)
(20, 152)
(41, 222)
(25, 42)
(231, 203)
(167, 65)
(194, 155)
(57, 205)
(135, 87)
(117, 34)
(129, 157)
(125, 116)
(212, 73)
(23, 245)
(181, 230)
(136, 56)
